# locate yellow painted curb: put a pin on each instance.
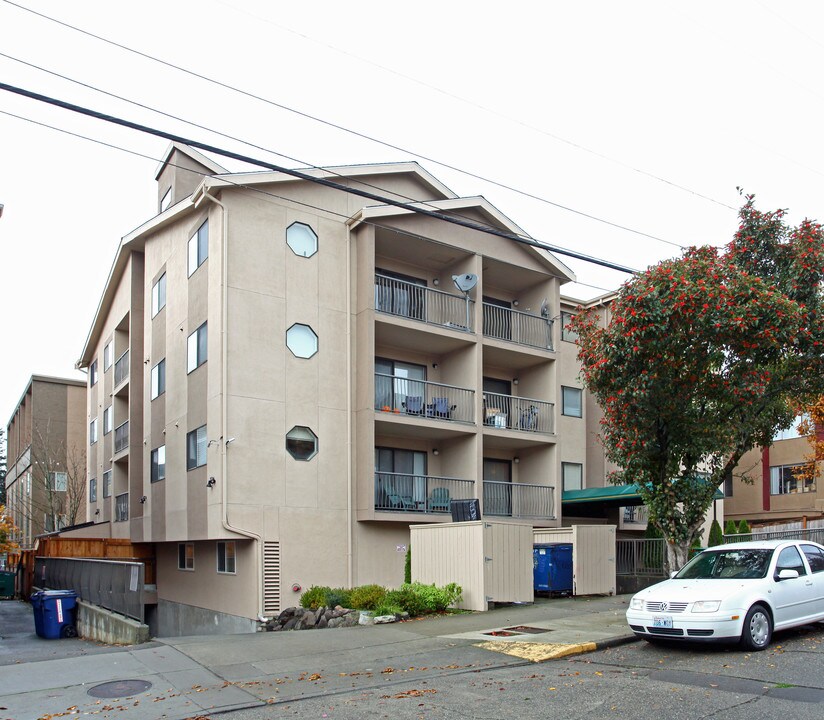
(538, 652)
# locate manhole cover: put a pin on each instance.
(530, 630)
(119, 689)
(500, 633)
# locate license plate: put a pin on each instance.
(662, 621)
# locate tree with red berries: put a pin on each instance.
(704, 358)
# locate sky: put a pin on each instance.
(572, 118)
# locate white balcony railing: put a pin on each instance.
(518, 327)
(518, 500)
(508, 412)
(418, 302)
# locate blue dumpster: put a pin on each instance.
(54, 612)
(552, 567)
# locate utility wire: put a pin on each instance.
(382, 199)
(344, 129)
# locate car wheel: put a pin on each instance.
(757, 630)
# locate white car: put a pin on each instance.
(735, 592)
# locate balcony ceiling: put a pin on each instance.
(515, 440)
(398, 332)
(392, 425)
(502, 354)
(417, 251)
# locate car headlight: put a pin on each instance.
(706, 606)
(636, 603)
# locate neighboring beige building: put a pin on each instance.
(288, 376)
(765, 490)
(46, 457)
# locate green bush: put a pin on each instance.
(407, 566)
(407, 599)
(744, 528)
(387, 608)
(730, 528)
(338, 596)
(315, 597)
(716, 536)
(367, 597)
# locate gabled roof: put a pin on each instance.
(198, 157)
(478, 203)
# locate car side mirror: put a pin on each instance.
(673, 574)
(786, 574)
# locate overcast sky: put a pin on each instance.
(646, 115)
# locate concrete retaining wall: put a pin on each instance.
(176, 619)
(96, 623)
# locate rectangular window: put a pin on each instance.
(58, 481)
(159, 295)
(572, 476)
(93, 432)
(108, 414)
(783, 481)
(196, 448)
(196, 349)
(93, 374)
(571, 401)
(185, 556)
(107, 356)
(159, 379)
(567, 334)
(198, 247)
(121, 507)
(159, 463)
(93, 490)
(107, 484)
(226, 557)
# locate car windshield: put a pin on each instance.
(733, 564)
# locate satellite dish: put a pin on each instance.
(544, 309)
(466, 282)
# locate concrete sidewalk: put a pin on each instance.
(196, 676)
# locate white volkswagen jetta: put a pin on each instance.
(735, 592)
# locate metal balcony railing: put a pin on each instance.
(519, 500)
(517, 327)
(121, 368)
(421, 398)
(121, 437)
(508, 412)
(644, 557)
(121, 507)
(418, 302)
(399, 492)
(636, 515)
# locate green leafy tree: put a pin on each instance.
(704, 358)
(744, 528)
(716, 537)
(730, 529)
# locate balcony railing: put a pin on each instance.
(121, 368)
(508, 412)
(644, 556)
(518, 500)
(418, 302)
(398, 492)
(636, 515)
(420, 398)
(121, 437)
(121, 507)
(517, 327)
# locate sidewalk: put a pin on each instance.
(195, 676)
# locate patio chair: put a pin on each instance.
(529, 418)
(440, 408)
(400, 502)
(439, 500)
(413, 405)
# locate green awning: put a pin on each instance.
(610, 496)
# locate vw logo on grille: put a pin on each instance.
(664, 606)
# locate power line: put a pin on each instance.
(411, 207)
(344, 129)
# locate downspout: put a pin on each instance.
(349, 499)
(224, 399)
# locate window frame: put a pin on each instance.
(564, 408)
(197, 251)
(93, 490)
(119, 514)
(107, 355)
(569, 336)
(807, 550)
(93, 373)
(158, 303)
(93, 431)
(186, 559)
(311, 230)
(192, 445)
(227, 559)
(107, 483)
(291, 328)
(197, 349)
(108, 420)
(315, 449)
(157, 469)
(570, 465)
(52, 484)
(157, 380)
(780, 485)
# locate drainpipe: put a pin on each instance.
(349, 501)
(224, 400)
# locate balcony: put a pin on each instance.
(423, 399)
(121, 369)
(424, 494)
(517, 500)
(507, 412)
(503, 323)
(121, 507)
(417, 302)
(121, 438)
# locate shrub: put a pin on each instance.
(338, 596)
(730, 528)
(744, 528)
(407, 599)
(388, 608)
(716, 537)
(407, 566)
(367, 597)
(315, 597)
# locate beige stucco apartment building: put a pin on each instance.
(299, 374)
(46, 457)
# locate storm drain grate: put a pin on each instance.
(119, 689)
(500, 633)
(529, 630)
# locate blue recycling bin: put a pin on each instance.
(54, 613)
(552, 567)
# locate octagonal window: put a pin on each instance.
(302, 239)
(302, 443)
(302, 340)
